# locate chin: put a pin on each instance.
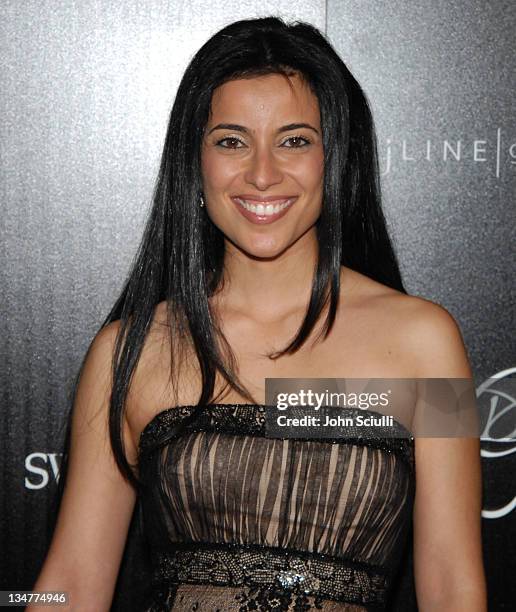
(264, 248)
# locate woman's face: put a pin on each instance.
(263, 163)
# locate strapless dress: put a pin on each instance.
(239, 521)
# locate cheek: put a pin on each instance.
(216, 171)
(311, 171)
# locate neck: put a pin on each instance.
(269, 289)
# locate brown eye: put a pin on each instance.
(232, 143)
(299, 142)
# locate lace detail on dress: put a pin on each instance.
(273, 577)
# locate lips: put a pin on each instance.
(263, 210)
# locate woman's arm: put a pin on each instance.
(85, 554)
(448, 564)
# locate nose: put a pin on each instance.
(263, 170)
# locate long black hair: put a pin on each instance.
(180, 258)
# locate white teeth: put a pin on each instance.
(260, 209)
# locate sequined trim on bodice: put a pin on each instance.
(250, 419)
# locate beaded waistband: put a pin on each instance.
(270, 569)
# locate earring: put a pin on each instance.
(202, 201)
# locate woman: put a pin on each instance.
(265, 256)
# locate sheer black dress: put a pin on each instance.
(240, 521)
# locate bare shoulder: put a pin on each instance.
(107, 335)
(104, 342)
(151, 387)
(155, 347)
(423, 330)
(432, 337)
(365, 293)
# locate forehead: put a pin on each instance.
(271, 97)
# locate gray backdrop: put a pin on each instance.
(85, 93)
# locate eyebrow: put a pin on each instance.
(240, 128)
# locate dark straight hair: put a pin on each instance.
(180, 258)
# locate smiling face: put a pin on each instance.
(263, 163)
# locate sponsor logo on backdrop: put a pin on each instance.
(497, 404)
(42, 468)
(495, 151)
